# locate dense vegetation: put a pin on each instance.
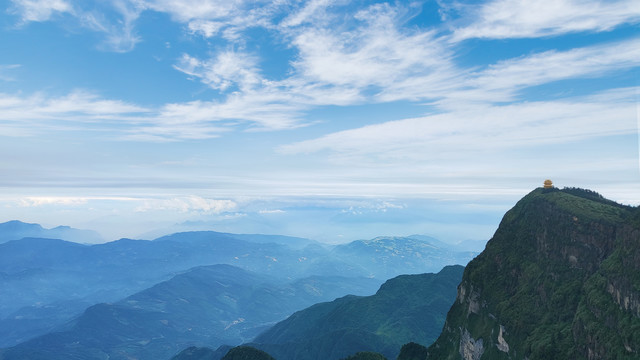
(247, 353)
(365, 355)
(412, 351)
(406, 308)
(559, 280)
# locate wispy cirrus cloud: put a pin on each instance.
(185, 10)
(311, 12)
(39, 10)
(78, 105)
(502, 81)
(30, 115)
(333, 67)
(375, 53)
(502, 19)
(226, 69)
(483, 128)
(115, 19)
(227, 19)
(119, 31)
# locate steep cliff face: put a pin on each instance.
(559, 279)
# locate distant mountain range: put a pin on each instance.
(406, 308)
(560, 279)
(16, 230)
(210, 305)
(57, 280)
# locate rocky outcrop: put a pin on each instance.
(626, 298)
(502, 343)
(470, 348)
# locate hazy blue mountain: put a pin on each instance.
(211, 305)
(56, 279)
(462, 246)
(560, 279)
(196, 353)
(291, 241)
(408, 308)
(15, 230)
(386, 257)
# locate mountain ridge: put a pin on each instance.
(16, 230)
(405, 308)
(207, 305)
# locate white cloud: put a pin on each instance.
(39, 113)
(372, 207)
(501, 19)
(205, 27)
(120, 34)
(501, 81)
(551, 66)
(187, 10)
(89, 106)
(376, 53)
(311, 12)
(482, 128)
(188, 204)
(227, 69)
(204, 119)
(63, 201)
(211, 17)
(40, 10)
(277, 211)
(372, 59)
(334, 67)
(37, 201)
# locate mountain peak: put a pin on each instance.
(549, 274)
(16, 230)
(13, 225)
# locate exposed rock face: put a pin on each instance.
(560, 279)
(470, 349)
(502, 343)
(625, 298)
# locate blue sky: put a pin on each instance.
(335, 120)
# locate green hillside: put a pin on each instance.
(560, 279)
(406, 308)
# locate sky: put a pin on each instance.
(329, 119)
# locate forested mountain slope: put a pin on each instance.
(560, 279)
